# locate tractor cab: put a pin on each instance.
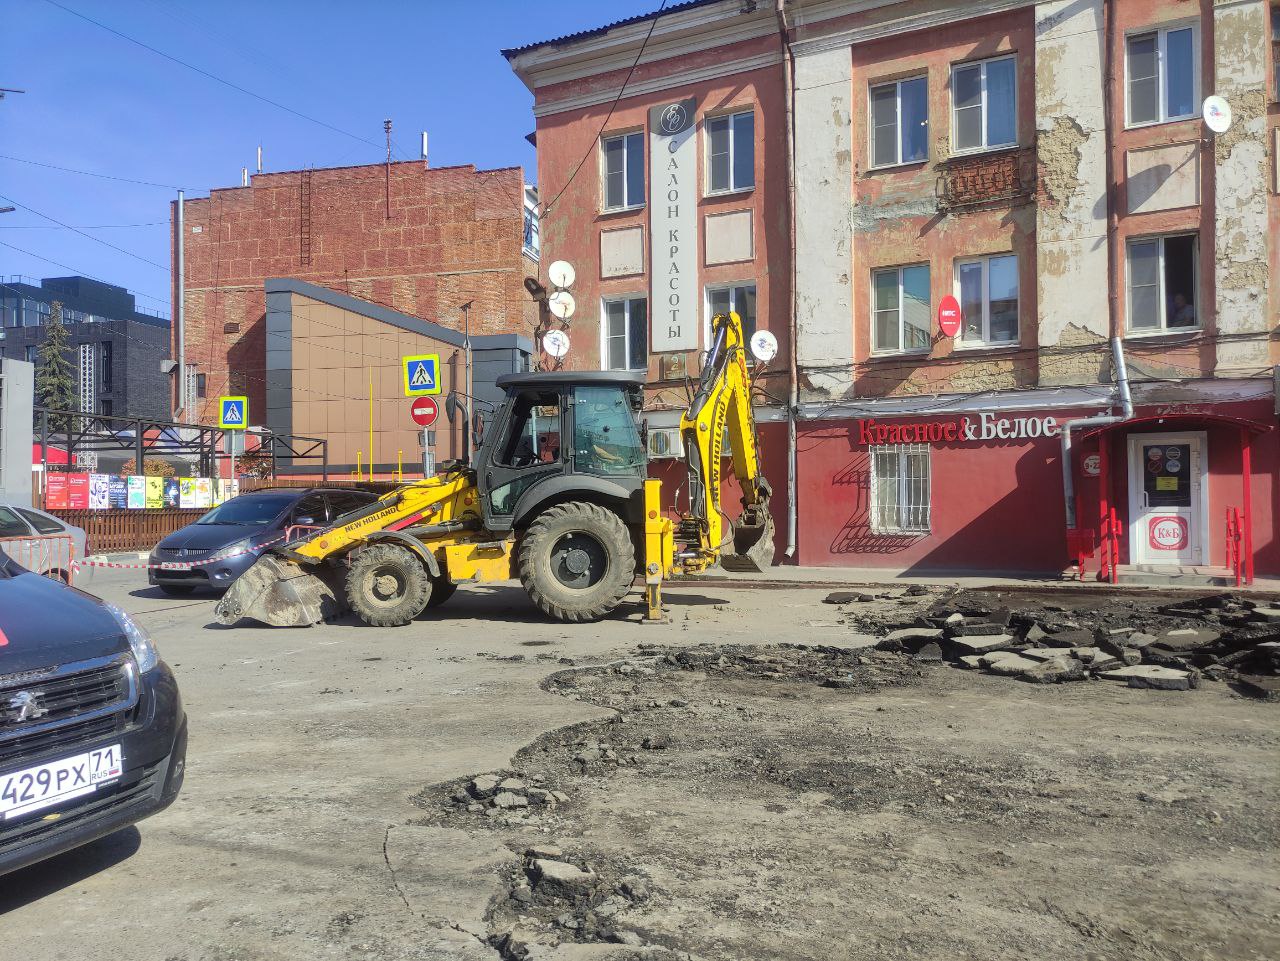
(563, 435)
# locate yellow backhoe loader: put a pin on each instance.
(558, 496)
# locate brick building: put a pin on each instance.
(416, 240)
(847, 167)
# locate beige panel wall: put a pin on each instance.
(335, 355)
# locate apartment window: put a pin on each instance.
(623, 171)
(900, 481)
(1162, 75)
(202, 386)
(984, 104)
(104, 365)
(105, 407)
(899, 122)
(531, 243)
(988, 293)
(33, 354)
(731, 153)
(739, 298)
(1162, 284)
(625, 334)
(900, 309)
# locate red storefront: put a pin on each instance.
(983, 491)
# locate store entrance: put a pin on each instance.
(1168, 499)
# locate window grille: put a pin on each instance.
(900, 488)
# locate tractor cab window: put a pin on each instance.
(533, 433)
(605, 437)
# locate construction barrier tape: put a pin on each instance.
(176, 565)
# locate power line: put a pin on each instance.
(591, 148)
(211, 76)
(76, 230)
(87, 173)
(80, 273)
(154, 223)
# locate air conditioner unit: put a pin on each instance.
(665, 442)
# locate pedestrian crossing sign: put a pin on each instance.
(233, 412)
(421, 374)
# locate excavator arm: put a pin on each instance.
(722, 408)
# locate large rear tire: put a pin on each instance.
(441, 590)
(388, 586)
(577, 561)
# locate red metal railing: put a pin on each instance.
(1235, 539)
(53, 555)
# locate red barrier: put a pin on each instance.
(53, 555)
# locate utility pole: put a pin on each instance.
(386, 126)
(466, 361)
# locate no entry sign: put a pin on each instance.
(949, 316)
(424, 411)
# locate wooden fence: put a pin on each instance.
(111, 531)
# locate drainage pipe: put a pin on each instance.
(1100, 420)
(793, 395)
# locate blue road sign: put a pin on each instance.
(421, 374)
(233, 412)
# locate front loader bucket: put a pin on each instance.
(281, 593)
(752, 542)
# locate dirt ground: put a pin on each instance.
(750, 781)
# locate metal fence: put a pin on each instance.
(112, 531)
(51, 554)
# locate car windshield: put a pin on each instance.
(250, 510)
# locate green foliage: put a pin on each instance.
(55, 375)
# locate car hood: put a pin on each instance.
(44, 623)
(209, 537)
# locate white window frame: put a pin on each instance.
(730, 285)
(1162, 299)
(1162, 74)
(626, 158)
(902, 340)
(627, 299)
(985, 147)
(914, 511)
(871, 125)
(708, 190)
(985, 260)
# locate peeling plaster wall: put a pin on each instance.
(1241, 31)
(1071, 213)
(824, 229)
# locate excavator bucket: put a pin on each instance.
(282, 593)
(752, 542)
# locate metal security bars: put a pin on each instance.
(900, 488)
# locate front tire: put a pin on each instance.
(577, 561)
(175, 590)
(388, 586)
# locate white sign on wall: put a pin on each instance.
(673, 227)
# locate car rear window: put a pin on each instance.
(42, 522)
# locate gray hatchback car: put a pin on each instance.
(41, 540)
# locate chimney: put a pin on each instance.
(424, 146)
(244, 176)
(259, 158)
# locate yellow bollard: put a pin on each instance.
(359, 465)
(399, 467)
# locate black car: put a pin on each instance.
(92, 733)
(225, 542)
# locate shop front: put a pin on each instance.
(981, 491)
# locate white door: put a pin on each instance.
(1168, 503)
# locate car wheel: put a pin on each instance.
(175, 590)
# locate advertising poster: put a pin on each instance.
(186, 492)
(235, 488)
(155, 493)
(171, 492)
(99, 492)
(118, 491)
(55, 491)
(78, 491)
(218, 496)
(137, 492)
(204, 492)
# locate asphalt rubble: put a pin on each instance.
(1225, 637)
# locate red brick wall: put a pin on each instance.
(453, 235)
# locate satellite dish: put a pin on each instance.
(562, 304)
(764, 346)
(1217, 114)
(555, 343)
(561, 274)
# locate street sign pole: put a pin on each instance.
(428, 452)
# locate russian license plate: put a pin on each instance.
(40, 787)
(174, 566)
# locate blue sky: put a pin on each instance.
(96, 102)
